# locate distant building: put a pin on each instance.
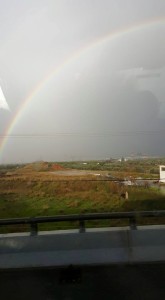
(162, 173)
(123, 159)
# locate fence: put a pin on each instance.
(131, 216)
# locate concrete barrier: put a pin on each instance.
(95, 246)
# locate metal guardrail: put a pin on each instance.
(131, 216)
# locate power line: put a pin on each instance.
(87, 134)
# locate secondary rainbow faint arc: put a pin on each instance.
(69, 60)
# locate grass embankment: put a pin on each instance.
(41, 194)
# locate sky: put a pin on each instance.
(81, 79)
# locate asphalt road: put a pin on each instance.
(146, 282)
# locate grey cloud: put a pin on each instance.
(95, 92)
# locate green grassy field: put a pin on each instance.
(28, 193)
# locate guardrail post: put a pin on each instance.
(132, 223)
(81, 226)
(33, 229)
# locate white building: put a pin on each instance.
(162, 173)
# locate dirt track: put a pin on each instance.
(78, 173)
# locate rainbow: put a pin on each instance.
(77, 55)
